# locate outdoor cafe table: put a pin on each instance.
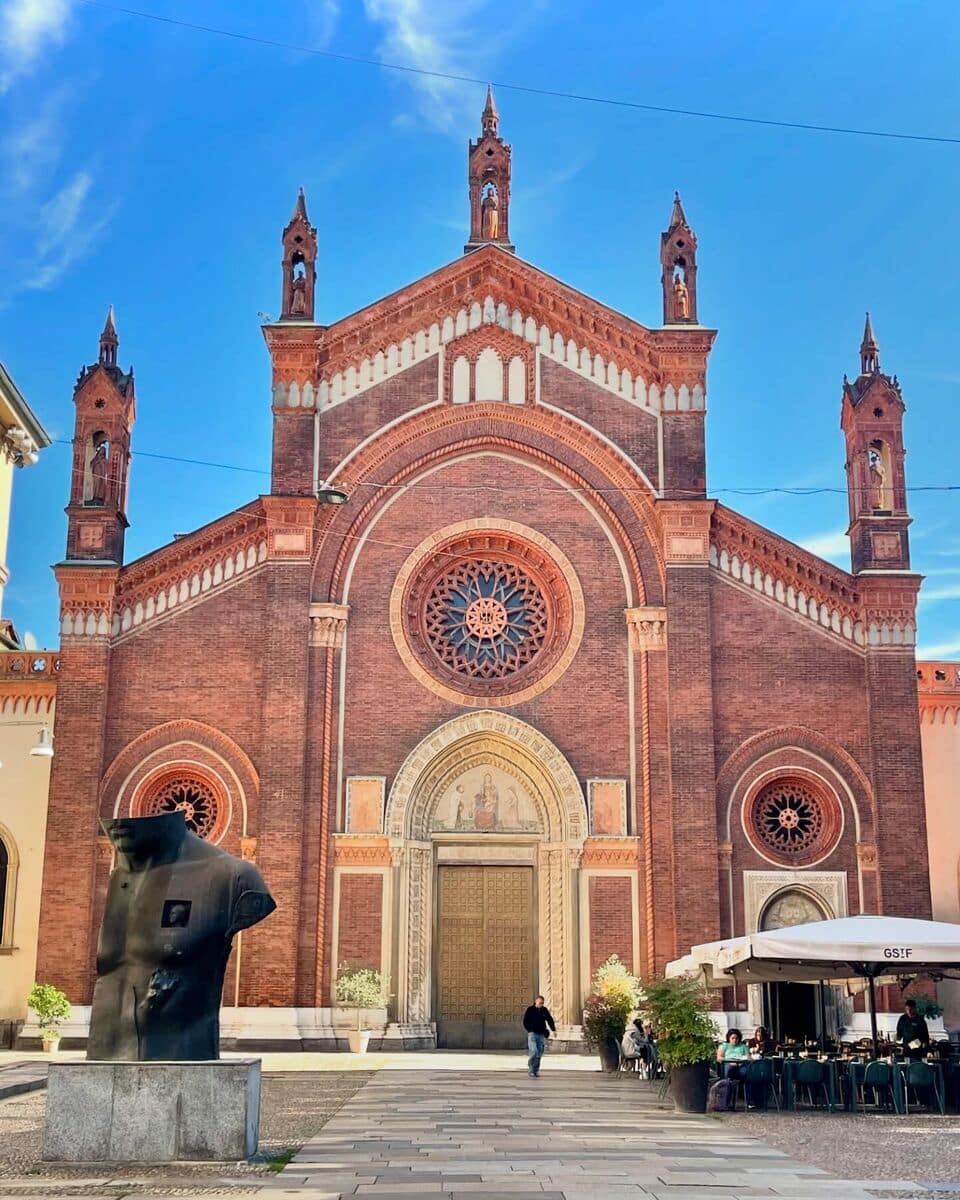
(789, 1073)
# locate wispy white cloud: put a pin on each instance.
(932, 595)
(67, 231)
(939, 650)
(27, 29)
(33, 147)
(831, 546)
(430, 35)
(323, 16)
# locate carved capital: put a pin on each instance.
(725, 854)
(328, 623)
(647, 628)
(104, 850)
(248, 849)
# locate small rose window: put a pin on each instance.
(794, 821)
(198, 798)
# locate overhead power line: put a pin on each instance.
(503, 85)
(745, 490)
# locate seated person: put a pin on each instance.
(731, 1054)
(634, 1041)
(761, 1042)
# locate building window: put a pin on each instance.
(198, 797)
(793, 821)
(8, 886)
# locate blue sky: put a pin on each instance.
(153, 167)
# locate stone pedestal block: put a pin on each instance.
(152, 1112)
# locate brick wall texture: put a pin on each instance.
(744, 689)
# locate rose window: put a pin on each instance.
(193, 796)
(486, 619)
(794, 820)
(486, 616)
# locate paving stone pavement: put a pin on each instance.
(566, 1136)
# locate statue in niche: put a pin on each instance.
(298, 291)
(99, 466)
(681, 298)
(877, 478)
(174, 904)
(490, 215)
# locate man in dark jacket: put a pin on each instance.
(912, 1032)
(538, 1023)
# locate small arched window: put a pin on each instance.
(8, 886)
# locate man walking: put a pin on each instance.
(538, 1023)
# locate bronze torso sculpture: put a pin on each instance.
(173, 906)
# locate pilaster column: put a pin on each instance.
(686, 533)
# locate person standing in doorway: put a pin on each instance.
(538, 1023)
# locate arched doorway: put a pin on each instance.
(486, 821)
(797, 1011)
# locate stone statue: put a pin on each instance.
(298, 296)
(490, 215)
(877, 479)
(174, 903)
(681, 299)
(99, 465)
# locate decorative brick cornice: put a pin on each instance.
(328, 624)
(610, 852)
(763, 562)
(352, 850)
(86, 598)
(938, 691)
(28, 681)
(647, 628)
(653, 368)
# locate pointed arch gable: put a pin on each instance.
(191, 745)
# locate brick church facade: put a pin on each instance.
(528, 697)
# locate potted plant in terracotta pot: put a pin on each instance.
(51, 1007)
(614, 996)
(679, 1011)
(361, 988)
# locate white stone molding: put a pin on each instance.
(427, 343)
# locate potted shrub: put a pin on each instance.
(51, 1007)
(614, 996)
(361, 988)
(679, 1010)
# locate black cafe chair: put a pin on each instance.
(812, 1075)
(878, 1077)
(920, 1076)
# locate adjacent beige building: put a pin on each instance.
(27, 697)
(939, 687)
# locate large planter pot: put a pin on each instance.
(51, 1045)
(359, 1039)
(609, 1056)
(689, 1086)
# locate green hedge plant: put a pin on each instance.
(362, 987)
(679, 1011)
(51, 1007)
(615, 994)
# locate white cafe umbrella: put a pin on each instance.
(701, 963)
(864, 946)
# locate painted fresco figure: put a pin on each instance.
(486, 808)
(174, 903)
